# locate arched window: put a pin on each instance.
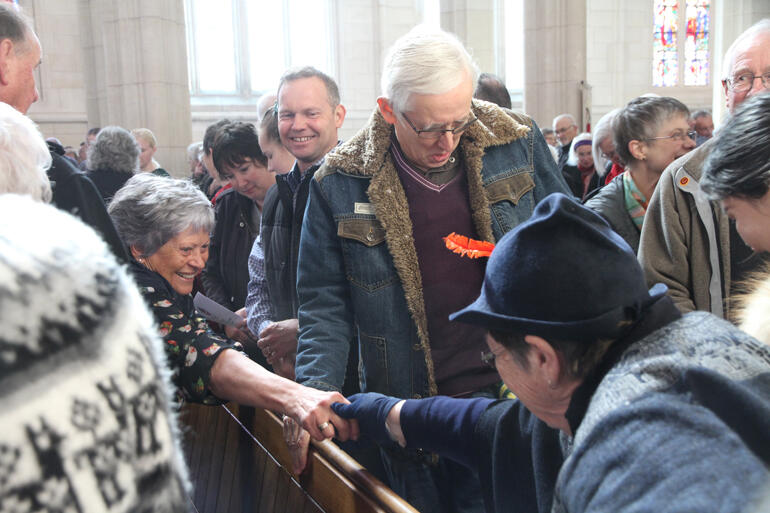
(240, 48)
(681, 57)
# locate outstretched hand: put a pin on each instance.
(312, 409)
(371, 410)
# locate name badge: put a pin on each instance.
(363, 208)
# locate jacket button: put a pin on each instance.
(241, 224)
(370, 235)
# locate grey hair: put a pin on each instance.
(564, 116)
(194, 151)
(150, 210)
(114, 149)
(602, 130)
(700, 114)
(640, 120)
(761, 27)
(424, 61)
(332, 91)
(24, 156)
(14, 26)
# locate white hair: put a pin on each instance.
(426, 60)
(24, 156)
(564, 116)
(572, 160)
(762, 27)
(602, 130)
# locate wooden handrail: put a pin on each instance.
(240, 463)
(323, 457)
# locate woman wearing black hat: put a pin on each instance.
(623, 403)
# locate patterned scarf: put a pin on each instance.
(636, 203)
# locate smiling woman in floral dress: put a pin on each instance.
(166, 223)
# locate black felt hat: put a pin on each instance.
(563, 273)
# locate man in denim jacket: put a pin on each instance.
(372, 262)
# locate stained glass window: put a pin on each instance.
(665, 57)
(680, 57)
(696, 47)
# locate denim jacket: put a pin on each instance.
(358, 271)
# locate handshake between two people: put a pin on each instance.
(370, 415)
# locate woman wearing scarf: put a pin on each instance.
(649, 134)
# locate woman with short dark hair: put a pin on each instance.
(166, 223)
(240, 161)
(649, 133)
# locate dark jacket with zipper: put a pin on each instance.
(226, 276)
(282, 216)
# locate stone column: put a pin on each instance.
(554, 59)
(136, 62)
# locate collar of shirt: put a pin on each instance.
(436, 175)
(295, 176)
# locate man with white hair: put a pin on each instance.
(372, 262)
(688, 242)
(73, 192)
(565, 128)
(703, 124)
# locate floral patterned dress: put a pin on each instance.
(191, 347)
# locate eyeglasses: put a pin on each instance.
(560, 131)
(677, 136)
(609, 155)
(436, 133)
(488, 358)
(745, 81)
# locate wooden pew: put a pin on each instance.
(239, 463)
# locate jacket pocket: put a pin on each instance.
(510, 188)
(368, 264)
(374, 372)
(366, 231)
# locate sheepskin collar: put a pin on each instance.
(365, 152)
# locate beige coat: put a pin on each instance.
(685, 240)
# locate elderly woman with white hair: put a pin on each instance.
(24, 156)
(579, 172)
(113, 158)
(166, 224)
(606, 159)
